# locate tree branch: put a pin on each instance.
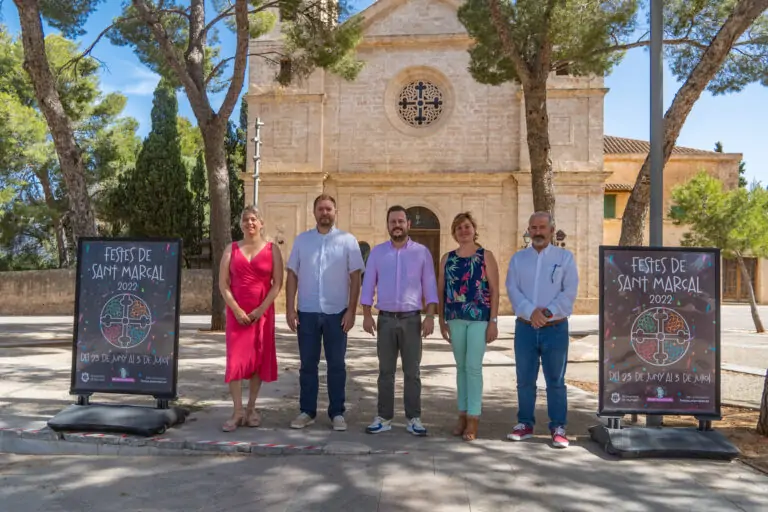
(87, 52)
(226, 13)
(544, 52)
(221, 64)
(169, 53)
(241, 61)
(509, 47)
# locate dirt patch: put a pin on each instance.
(738, 424)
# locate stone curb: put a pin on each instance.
(48, 442)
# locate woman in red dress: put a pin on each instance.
(250, 278)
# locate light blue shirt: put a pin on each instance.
(323, 264)
(547, 279)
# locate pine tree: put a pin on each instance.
(159, 201)
(199, 185)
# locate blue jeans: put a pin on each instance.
(550, 345)
(316, 329)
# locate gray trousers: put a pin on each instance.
(403, 336)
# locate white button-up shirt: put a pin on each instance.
(548, 279)
(323, 264)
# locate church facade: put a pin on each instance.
(415, 129)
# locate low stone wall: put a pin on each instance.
(52, 292)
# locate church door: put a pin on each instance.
(735, 288)
(425, 229)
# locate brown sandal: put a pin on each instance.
(461, 425)
(470, 434)
(232, 423)
(253, 419)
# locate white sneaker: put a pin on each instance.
(379, 425)
(416, 428)
(302, 420)
(339, 423)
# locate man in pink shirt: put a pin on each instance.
(402, 273)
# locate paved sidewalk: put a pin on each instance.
(276, 468)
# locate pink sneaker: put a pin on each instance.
(558, 438)
(521, 432)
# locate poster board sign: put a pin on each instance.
(127, 305)
(659, 331)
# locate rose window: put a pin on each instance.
(420, 103)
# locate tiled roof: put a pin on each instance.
(618, 187)
(621, 146)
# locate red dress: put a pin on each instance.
(251, 348)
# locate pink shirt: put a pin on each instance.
(401, 277)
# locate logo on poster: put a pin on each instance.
(85, 377)
(615, 397)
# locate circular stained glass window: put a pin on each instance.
(420, 103)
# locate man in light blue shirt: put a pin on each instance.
(324, 267)
(542, 281)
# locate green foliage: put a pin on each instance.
(580, 31)
(153, 199)
(699, 22)
(734, 221)
(200, 205)
(191, 141)
(33, 200)
(234, 143)
(69, 16)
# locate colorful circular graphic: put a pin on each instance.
(125, 321)
(660, 336)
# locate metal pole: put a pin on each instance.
(257, 161)
(657, 141)
(657, 125)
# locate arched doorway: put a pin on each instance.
(425, 229)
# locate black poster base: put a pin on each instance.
(641, 442)
(117, 419)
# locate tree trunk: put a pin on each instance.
(752, 301)
(762, 421)
(539, 151)
(218, 185)
(56, 220)
(62, 132)
(743, 15)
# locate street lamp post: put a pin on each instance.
(656, 213)
(256, 161)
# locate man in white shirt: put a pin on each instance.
(542, 281)
(324, 267)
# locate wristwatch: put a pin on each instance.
(495, 320)
(547, 313)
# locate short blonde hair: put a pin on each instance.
(460, 218)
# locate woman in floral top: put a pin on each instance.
(468, 288)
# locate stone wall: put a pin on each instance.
(52, 292)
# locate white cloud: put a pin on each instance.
(135, 80)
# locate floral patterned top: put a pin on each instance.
(467, 295)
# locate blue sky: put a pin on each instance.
(737, 120)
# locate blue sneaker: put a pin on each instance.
(416, 428)
(379, 425)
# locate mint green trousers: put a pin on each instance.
(468, 343)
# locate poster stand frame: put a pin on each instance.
(626, 441)
(162, 400)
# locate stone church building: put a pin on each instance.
(415, 129)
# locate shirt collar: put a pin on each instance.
(408, 243)
(332, 230)
(545, 251)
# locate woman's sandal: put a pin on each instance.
(470, 434)
(253, 419)
(461, 425)
(232, 423)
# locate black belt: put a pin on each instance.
(400, 314)
(548, 324)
